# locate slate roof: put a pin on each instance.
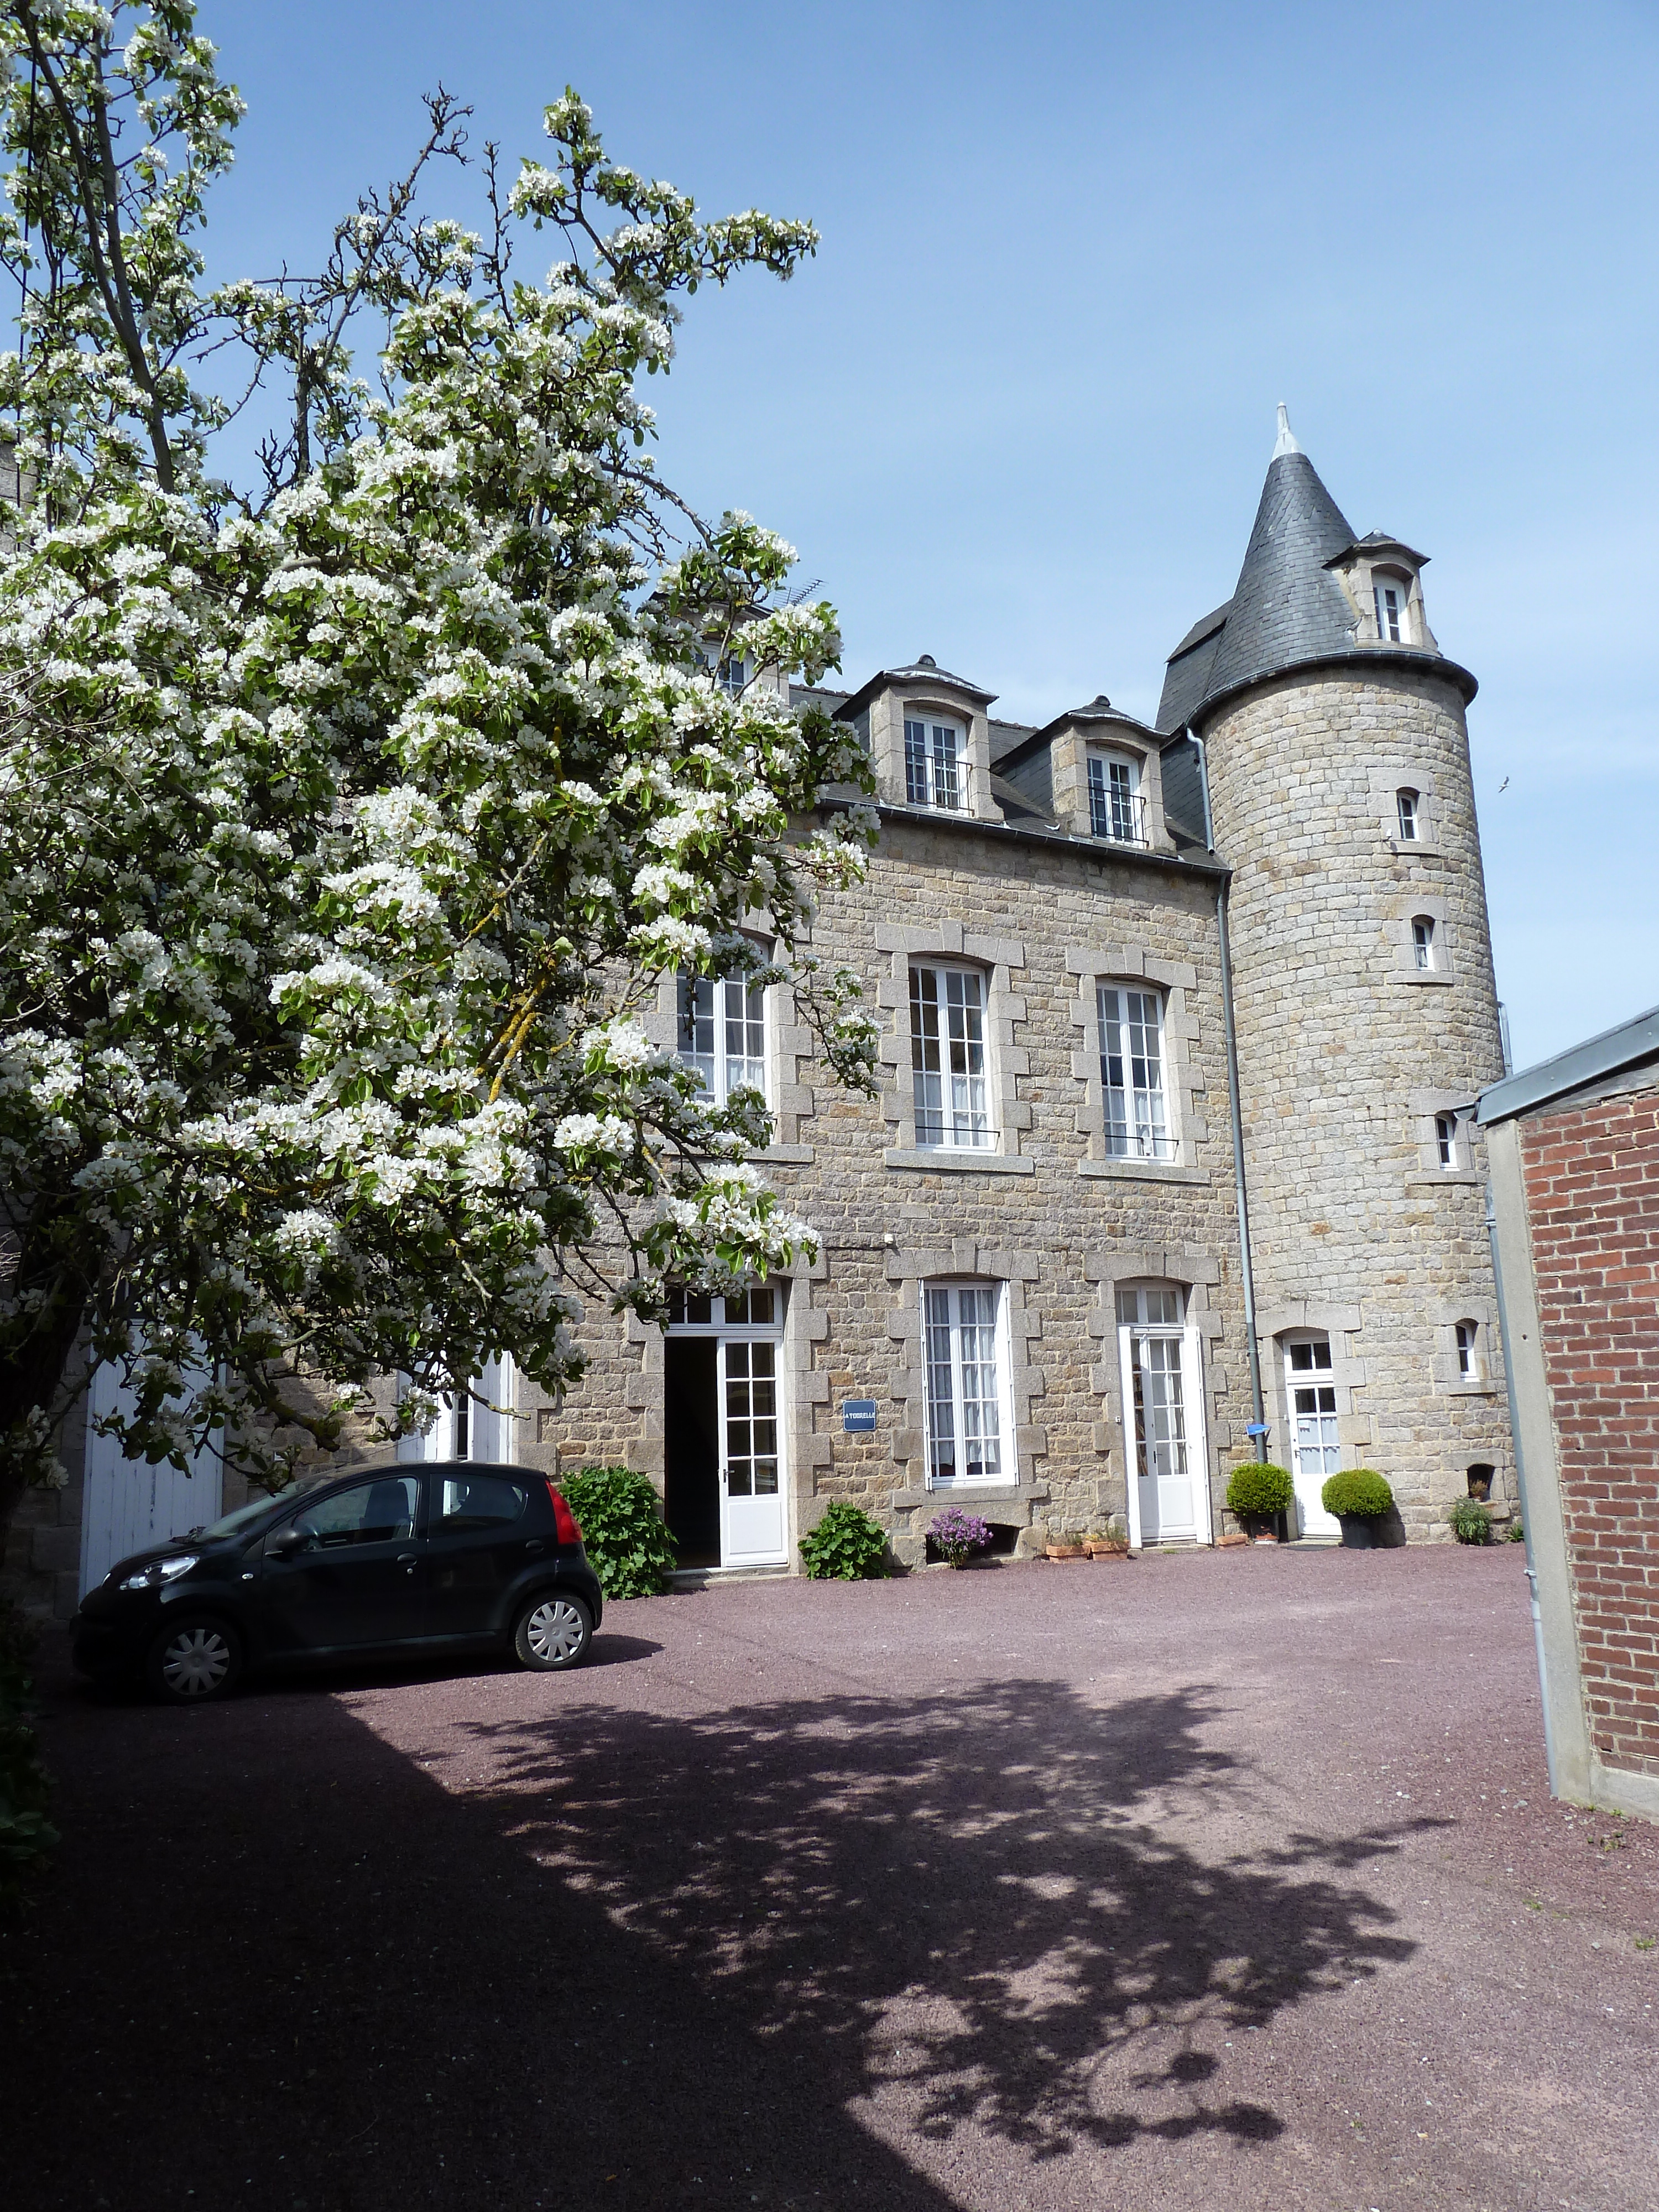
(1288, 608)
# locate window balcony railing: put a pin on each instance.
(1118, 815)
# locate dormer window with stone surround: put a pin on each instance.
(934, 753)
(1392, 595)
(730, 669)
(1116, 807)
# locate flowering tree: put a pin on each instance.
(347, 821)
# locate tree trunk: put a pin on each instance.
(32, 1380)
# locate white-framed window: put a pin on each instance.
(722, 1033)
(965, 1352)
(476, 1424)
(1407, 803)
(1132, 1083)
(1116, 807)
(1391, 594)
(731, 672)
(1468, 1350)
(932, 762)
(756, 1307)
(948, 1057)
(1426, 949)
(1446, 1144)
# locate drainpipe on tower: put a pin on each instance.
(1248, 1272)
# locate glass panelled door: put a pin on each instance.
(752, 1493)
(1161, 1415)
(1311, 1390)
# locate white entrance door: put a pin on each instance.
(125, 1506)
(1163, 1418)
(1315, 1453)
(752, 1530)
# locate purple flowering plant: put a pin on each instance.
(958, 1534)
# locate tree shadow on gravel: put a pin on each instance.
(970, 1902)
(639, 1961)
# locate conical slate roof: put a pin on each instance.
(1287, 608)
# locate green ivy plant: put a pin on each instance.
(1471, 1522)
(1358, 1491)
(629, 1547)
(847, 1546)
(1258, 1489)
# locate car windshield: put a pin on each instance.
(246, 1516)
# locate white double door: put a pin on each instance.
(1164, 1431)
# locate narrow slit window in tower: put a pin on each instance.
(1423, 944)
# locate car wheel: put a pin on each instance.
(192, 1660)
(554, 1630)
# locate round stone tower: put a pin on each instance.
(1332, 728)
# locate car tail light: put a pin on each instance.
(564, 1521)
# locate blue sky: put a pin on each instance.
(1017, 412)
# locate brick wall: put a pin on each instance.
(1592, 1185)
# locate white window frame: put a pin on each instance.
(964, 1109)
(1408, 810)
(1395, 629)
(1449, 1141)
(1466, 1345)
(731, 672)
(1146, 1128)
(724, 1082)
(1117, 805)
(467, 1429)
(940, 1300)
(935, 761)
(1425, 944)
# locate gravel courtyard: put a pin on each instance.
(1228, 1878)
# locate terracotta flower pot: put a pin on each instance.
(1063, 1551)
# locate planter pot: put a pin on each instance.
(1357, 1534)
(1063, 1551)
(1270, 1537)
(1107, 1551)
(1262, 1528)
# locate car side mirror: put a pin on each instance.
(287, 1541)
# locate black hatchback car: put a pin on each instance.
(453, 1556)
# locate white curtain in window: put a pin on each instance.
(722, 1033)
(1132, 1074)
(947, 1057)
(964, 1326)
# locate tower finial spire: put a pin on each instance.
(1286, 437)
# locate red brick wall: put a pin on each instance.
(1592, 1179)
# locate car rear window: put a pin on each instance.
(476, 1501)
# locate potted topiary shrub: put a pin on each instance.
(1471, 1522)
(1257, 1495)
(846, 1547)
(957, 1535)
(1359, 1499)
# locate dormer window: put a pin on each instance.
(1406, 804)
(1117, 808)
(1391, 594)
(932, 754)
(731, 672)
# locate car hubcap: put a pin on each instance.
(554, 1631)
(195, 1662)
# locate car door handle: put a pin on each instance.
(409, 1560)
(532, 1548)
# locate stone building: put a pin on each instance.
(1182, 1029)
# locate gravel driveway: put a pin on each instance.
(1228, 1878)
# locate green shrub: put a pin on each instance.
(1357, 1491)
(26, 1835)
(1471, 1523)
(628, 1546)
(1514, 1533)
(846, 1547)
(1256, 1489)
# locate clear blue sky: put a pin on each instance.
(1017, 412)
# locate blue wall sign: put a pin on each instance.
(858, 1416)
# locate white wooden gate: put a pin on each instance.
(124, 1504)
